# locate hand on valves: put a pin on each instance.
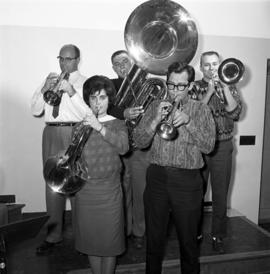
(165, 109)
(133, 112)
(50, 82)
(180, 118)
(91, 120)
(65, 86)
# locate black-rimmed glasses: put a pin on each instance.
(179, 87)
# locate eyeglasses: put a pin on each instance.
(66, 59)
(179, 87)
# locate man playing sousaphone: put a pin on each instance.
(225, 104)
(135, 162)
(173, 180)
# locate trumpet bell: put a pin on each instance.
(52, 98)
(158, 33)
(167, 131)
(61, 178)
(231, 71)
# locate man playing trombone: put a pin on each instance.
(226, 106)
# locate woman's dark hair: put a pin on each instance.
(178, 67)
(97, 83)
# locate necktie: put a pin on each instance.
(55, 111)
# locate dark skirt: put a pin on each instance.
(99, 218)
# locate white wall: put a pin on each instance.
(31, 33)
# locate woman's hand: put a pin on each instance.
(91, 120)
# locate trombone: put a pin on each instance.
(230, 72)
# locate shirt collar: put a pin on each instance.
(106, 118)
(73, 76)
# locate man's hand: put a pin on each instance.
(180, 118)
(132, 113)
(162, 111)
(211, 87)
(50, 82)
(67, 87)
(91, 119)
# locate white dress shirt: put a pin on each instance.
(68, 108)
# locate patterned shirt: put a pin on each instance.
(195, 138)
(101, 153)
(224, 120)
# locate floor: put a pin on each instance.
(23, 260)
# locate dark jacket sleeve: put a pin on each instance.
(117, 112)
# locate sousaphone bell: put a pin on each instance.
(158, 33)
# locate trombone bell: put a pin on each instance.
(231, 71)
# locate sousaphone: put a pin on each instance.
(158, 33)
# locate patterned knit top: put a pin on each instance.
(195, 138)
(224, 120)
(101, 154)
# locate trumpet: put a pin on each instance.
(67, 172)
(53, 97)
(165, 129)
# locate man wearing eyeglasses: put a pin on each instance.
(57, 132)
(173, 180)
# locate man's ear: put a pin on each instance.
(113, 67)
(78, 61)
(191, 85)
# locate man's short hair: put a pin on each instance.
(118, 52)
(178, 67)
(208, 53)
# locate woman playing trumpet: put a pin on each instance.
(99, 219)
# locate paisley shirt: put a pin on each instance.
(193, 139)
(224, 120)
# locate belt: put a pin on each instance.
(61, 124)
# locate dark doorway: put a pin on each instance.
(264, 210)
